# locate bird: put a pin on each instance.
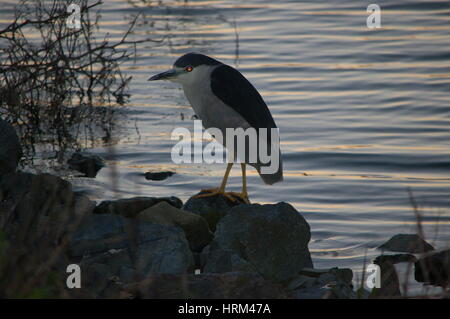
(223, 98)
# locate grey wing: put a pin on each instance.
(232, 88)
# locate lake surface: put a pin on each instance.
(364, 115)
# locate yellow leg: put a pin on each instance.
(243, 195)
(221, 189)
(244, 181)
(225, 178)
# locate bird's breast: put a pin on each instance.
(211, 110)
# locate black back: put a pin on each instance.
(232, 88)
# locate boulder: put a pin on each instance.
(158, 176)
(271, 240)
(131, 207)
(331, 283)
(129, 246)
(395, 259)
(10, 148)
(215, 259)
(407, 243)
(434, 269)
(98, 280)
(158, 248)
(37, 215)
(389, 282)
(83, 204)
(86, 163)
(40, 207)
(211, 208)
(195, 227)
(344, 274)
(233, 285)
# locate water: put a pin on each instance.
(364, 115)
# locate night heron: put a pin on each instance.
(223, 98)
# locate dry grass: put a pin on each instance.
(52, 77)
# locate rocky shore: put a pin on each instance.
(160, 247)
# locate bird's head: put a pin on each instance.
(187, 69)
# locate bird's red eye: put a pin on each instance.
(189, 68)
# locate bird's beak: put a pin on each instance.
(167, 75)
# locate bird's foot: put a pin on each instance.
(232, 196)
(242, 196)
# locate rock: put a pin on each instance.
(271, 240)
(211, 208)
(98, 280)
(37, 215)
(434, 269)
(301, 281)
(195, 227)
(234, 285)
(389, 283)
(86, 163)
(344, 274)
(331, 283)
(215, 259)
(407, 243)
(158, 176)
(113, 251)
(39, 207)
(10, 148)
(131, 207)
(395, 259)
(83, 205)
(137, 245)
(197, 260)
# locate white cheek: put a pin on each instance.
(178, 79)
(186, 78)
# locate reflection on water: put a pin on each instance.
(363, 114)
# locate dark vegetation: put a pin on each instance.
(57, 82)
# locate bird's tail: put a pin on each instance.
(271, 178)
